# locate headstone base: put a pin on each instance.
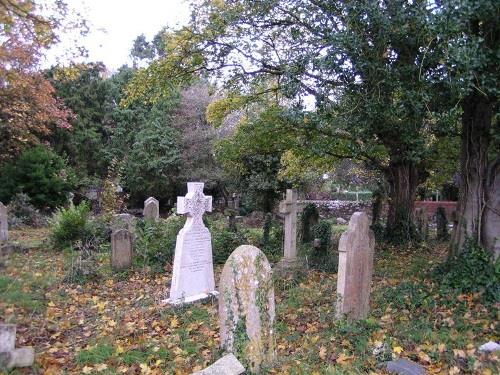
(191, 299)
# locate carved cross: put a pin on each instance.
(194, 204)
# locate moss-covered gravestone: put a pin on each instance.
(441, 224)
(151, 209)
(308, 218)
(422, 222)
(121, 249)
(246, 307)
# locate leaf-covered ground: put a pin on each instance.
(117, 326)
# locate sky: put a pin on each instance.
(114, 24)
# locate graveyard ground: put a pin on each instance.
(116, 326)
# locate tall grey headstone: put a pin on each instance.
(246, 306)
(121, 249)
(193, 273)
(124, 221)
(356, 250)
(288, 207)
(151, 209)
(4, 225)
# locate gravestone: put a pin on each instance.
(151, 209)
(246, 306)
(356, 248)
(404, 367)
(11, 357)
(288, 207)
(422, 222)
(193, 274)
(4, 225)
(441, 224)
(121, 249)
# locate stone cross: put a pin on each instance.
(121, 249)
(151, 209)
(356, 248)
(4, 226)
(289, 208)
(193, 273)
(247, 307)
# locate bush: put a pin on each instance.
(472, 271)
(155, 243)
(69, 225)
(323, 231)
(40, 174)
(224, 243)
(23, 213)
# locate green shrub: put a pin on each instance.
(155, 243)
(323, 231)
(224, 243)
(472, 271)
(69, 225)
(39, 173)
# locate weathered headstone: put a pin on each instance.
(422, 222)
(441, 224)
(151, 209)
(246, 306)
(11, 357)
(227, 365)
(288, 207)
(193, 274)
(356, 248)
(121, 249)
(4, 226)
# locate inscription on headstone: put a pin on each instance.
(356, 248)
(193, 273)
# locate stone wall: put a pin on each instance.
(343, 209)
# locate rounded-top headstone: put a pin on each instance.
(151, 209)
(246, 306)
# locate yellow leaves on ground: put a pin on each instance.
(397, 349)
(174, 322)
(322, 353)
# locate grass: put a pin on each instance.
(117, 320)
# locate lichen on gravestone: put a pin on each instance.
(246, 307)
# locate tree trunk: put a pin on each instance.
(479, 203)
(403, 179)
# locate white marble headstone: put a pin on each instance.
(193, 273)
(4, 226)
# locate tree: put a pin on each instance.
(39, 173)
(369, 65)
(471, 35)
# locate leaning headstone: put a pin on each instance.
(193, 274)
(404, 367)
(441, 224)
(246, 306)
(151, 209)
(227, 365)
(11, 357)
(356, 248)
(121, 249)
(4, 226)
(288, 207)
(422, 222)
